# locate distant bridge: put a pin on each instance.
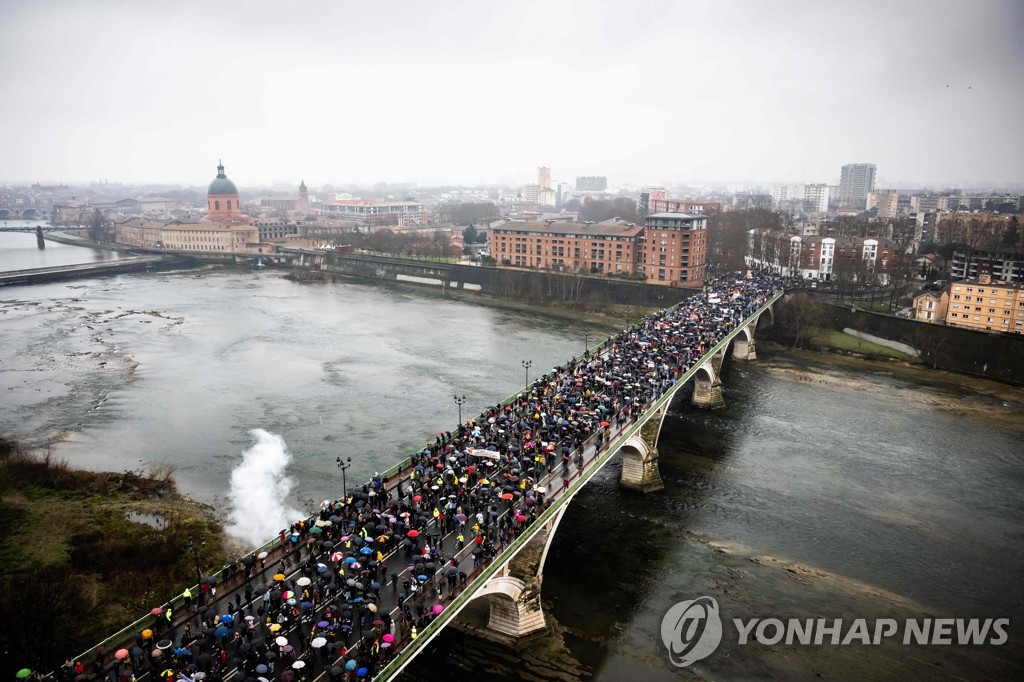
(23, 213)
(33, 228)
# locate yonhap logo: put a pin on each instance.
(691, 630)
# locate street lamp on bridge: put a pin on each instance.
(527, 364)
(629, 313)
(344, 483)
(194, 548)
(459, 401)
(586, 340)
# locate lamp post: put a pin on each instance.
(527, 364)
(194, 548)
(344, 483)
(586, 340)
(629, 312)
(459, 401)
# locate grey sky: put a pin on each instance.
(475, 92)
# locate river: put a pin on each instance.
(817, 492)
(20, 251)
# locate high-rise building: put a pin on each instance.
(856, 182)
(591, 183)
(544, 177)
(886, 201)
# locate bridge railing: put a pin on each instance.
(584, 476)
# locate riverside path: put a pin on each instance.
(356, 590)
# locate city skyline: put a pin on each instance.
(452, 95)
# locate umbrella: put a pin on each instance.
(279, 577)
(262, 668)
(303, 581)
(372, 607)
(299, 665)
(315, 530)
(261, 555)
(388, 637)
(121, 654)
(221, 632)
(361, 672)
(147, 633)
(413, 533)
(23, 673)
(156, 610)
(287, 648)
(437, 609)
(507, 496)
(250, 618)
(337, 671)
(318, 642)
(163, 644)
(351, 665)
(350, 560)
(366, 550)
(337, 556)
(288, 595)
(227, 619)
(281, 641)
(275, 627)
(322, 624)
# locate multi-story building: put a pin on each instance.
(816, 197)
(603, 248)
(675, 249)
(931, 306)
(1006, 264)
(820, 258)
(288, 202)
(591, 183)
(670, 249)
(886, 201)
(683, 206)
(374, 212)
(856, 182)
(986, 304)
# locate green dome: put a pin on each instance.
(221, 185)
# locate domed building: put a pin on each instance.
(222, 201)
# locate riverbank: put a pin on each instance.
(85, 553)
(985, 400)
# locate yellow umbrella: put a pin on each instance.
(279, 577)
(147, 633)
(275, 627)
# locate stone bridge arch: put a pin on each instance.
(640, 457)
(707, 387)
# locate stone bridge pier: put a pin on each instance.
(513, 593)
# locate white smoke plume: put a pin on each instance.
(259, 487)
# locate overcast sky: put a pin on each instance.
(478, 92)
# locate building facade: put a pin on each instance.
(931, 306)
(591, 183)
(986, 304)
(856, 182)
(675, 249)
(683, 206)
(373, 212)
(670, 249)
(886, 201)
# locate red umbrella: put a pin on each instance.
(413, 533)
(417, 498)
(506, 496)
(121, 654)
(156, 610)
(604, 424)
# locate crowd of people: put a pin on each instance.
(366, 575)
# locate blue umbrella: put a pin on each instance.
(350, 560)
(351, 665)
(421, 577)
(227, 618)
(366, 550)
(221, 632)
(306, 606)
(321, 569)
(361, 672)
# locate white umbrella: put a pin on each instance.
(303, 581)
(261, 555)
(281, 641)
(299, 665)
(318, 642)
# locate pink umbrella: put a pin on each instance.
(388, 638)
(437, 609)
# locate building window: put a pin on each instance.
(216, 205)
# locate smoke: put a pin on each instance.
(258, 490)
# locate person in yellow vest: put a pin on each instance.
(413, 633)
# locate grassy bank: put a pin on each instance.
(833, 340)
(75, 568)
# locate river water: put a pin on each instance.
(20, 251)
(817, 492)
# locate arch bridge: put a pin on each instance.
(511, 583)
